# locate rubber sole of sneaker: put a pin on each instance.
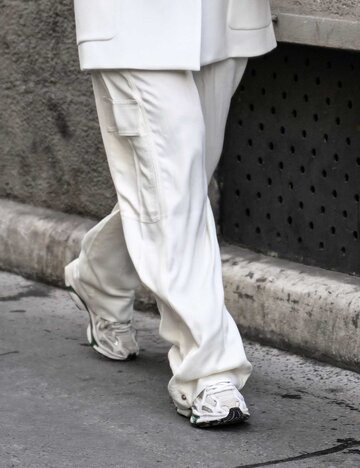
(80, 304)
(235, 416)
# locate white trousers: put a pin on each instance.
(163, 134)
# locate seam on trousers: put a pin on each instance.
(154, 153)
(138, 182)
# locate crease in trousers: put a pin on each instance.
(163, 133)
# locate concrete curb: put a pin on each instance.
(37, 243)
(294, 306)
(282, 303)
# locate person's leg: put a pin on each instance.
(216, 85)
(154, 135)
(102, 282)
(103, 275)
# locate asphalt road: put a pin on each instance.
(62, 405)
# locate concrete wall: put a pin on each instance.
(331, 23)
(349, 9)
(50, 147)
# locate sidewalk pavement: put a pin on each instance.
(62, 405)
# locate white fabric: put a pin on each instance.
(163, 134)
(170, 34)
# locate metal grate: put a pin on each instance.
(290, 171)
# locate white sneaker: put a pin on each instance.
(114, 340)
(219, 404)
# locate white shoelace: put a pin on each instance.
(219, 387)
(117, 327)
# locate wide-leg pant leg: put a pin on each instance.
(104, 274)
(157, 161)
(216, 85)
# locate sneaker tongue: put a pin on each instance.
(227, 399)
(119, 327)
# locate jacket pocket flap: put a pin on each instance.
(249, 14)
(95, 20)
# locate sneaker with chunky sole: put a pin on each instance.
(113, 340)
(218, 405)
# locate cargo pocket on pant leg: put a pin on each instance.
(128, 122)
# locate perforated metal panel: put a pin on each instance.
(290, 172)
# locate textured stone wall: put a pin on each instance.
(50, 148)
(330, 8)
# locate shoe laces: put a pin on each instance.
(114, 328)
(222, 394)
(219, 387)
(118, 332)
(118, 328)
(218, 396)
